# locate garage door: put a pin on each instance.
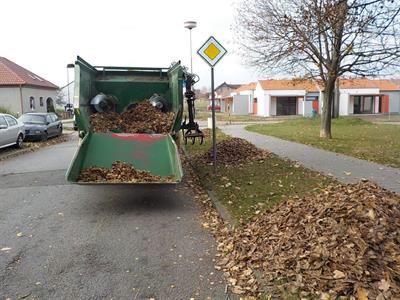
(286, 106)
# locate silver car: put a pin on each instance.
(11, 131)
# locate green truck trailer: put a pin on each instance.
(155, 153)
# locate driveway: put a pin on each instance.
(62, 241)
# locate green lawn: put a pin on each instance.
(248, 189)
(202, 114)
(226, 118)
(351, 136)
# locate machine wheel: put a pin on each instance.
(44, 136)
(60, 131)
(20, 141)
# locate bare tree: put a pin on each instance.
(60, 98)
(321, 40)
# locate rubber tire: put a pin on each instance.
(44, 137)
(60, 131)
(20, 141)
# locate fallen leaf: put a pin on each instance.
(338, 274)
(384, 285)
(238, 290)
(362, 294)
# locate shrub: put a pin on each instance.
(4, 110)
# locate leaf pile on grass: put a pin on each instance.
(120, 172)
(233, 151)
(140, 118)
(343, 243)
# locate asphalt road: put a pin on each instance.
(98, 242)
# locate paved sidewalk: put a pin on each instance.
(345, 168)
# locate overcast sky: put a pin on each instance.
(45, 35)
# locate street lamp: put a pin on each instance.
(190, 25)
(69, 66)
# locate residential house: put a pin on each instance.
(23, 91)
(287, 97)
(244, 102)
(366, 96)
(223, 98)
(305, 97)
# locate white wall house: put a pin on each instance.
(243, 99)
(305, 97)
(23, 91)
(284, 97)
(364, 96)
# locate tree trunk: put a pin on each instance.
(326, 116)
(337, 100)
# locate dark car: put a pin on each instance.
(41, 126)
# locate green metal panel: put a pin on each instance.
(156, 153)
(129, 85)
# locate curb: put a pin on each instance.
(222, 211)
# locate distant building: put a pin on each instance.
(287, 97)
(305, 97)
(243, 101)
(223, 97)
(23, 91)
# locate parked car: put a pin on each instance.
(217, 107)
(41, 126)
(11, 131)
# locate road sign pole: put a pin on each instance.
(212, 52)
(214, 133)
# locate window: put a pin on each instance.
(49, 119)
(32, 103)
(11, 121)
(33, 119)
(3, 121)
(41, 101)
(286, 106)
(363, 105)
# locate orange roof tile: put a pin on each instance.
(382, 84)
(247, 87)
(13, 74)
(278, 84)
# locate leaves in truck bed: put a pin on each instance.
(140, 118)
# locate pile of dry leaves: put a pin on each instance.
(120, 172)
(140, 118)
(233, 151)
(341, 244)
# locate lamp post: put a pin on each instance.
(190, 25)
(69, 66)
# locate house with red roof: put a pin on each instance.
(23, 91)
(243, 101)
(223, 97)
(367, 96)
(305, 97)
(287, 97)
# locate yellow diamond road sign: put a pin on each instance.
(212, 51)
